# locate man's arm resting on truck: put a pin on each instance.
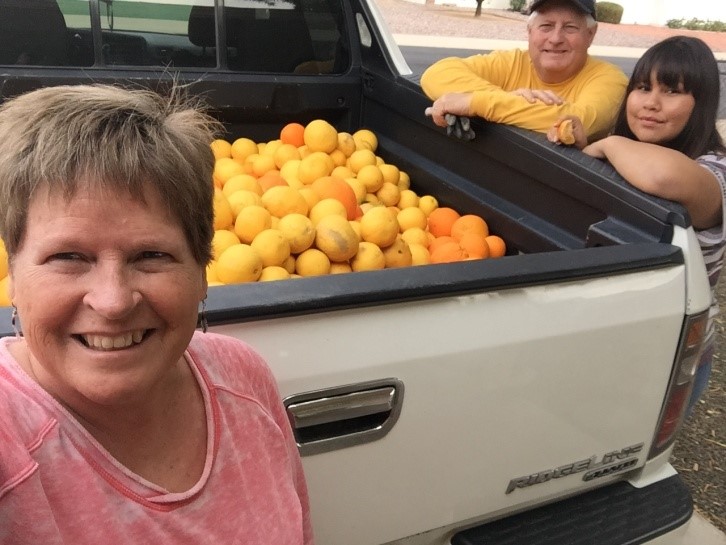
(594, 95)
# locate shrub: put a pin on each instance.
(697, 24)
(608, 12)
(517, 5)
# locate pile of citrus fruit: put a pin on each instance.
(317, 201)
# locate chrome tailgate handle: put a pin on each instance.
(340, 417)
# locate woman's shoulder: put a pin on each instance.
(229, 361)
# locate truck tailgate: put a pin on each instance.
(499, 386)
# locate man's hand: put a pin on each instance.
(451, 103)
(542, 95)
(568, 130)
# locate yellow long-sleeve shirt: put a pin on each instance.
(594, 94)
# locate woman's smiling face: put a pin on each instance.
(658, 113)
(107, 292)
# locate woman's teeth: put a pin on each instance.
(103, 342)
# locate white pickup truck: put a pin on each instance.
(532, 399)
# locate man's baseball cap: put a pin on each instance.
(586, 6)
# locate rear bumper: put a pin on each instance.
(618, 514)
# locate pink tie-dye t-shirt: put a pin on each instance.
(58, 485)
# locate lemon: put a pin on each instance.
(299, 231)
(312, 262)
(327, 207)
(281, 200)
(428, 204)
(391, 174)
(239, 263)
(379, 226)
(411, 217)
(250, 221)
(419, 254)
(243, 148)
(371, 177)
(221, 148)
(365, 139)
(336, 238)
(368, 258)
(239, 199)
(397, 254)
(224, 169)
(273, 273)
(314, 166)
(319, 135)
(388, 194)
(223, 215)
(222, 240)
(240, 182)
(361, 158)
(346, 143)
(272, 247)
(407, 198)
(340, 268)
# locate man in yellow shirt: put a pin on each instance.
(533, 89)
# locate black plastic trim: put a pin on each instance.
(618, 514)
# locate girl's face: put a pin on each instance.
(657, 113)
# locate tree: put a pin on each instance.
(477, 13)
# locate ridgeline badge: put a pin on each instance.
(610, 463)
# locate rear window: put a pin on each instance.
(280, 36)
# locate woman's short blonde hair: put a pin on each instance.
(113, 138)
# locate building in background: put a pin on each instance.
(641, 12)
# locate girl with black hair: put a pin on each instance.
(665, 143)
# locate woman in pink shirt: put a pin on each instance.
(118, 422)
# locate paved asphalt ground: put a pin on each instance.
(420, 50)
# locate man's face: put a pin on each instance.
(558, 41)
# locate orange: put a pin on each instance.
(439, 241)
(441, 220)
(469, 223)
(319, 135)
(497, 246)
(336, 188)
(292, 133)
(271, 179)
(475, 245)
(448, 253)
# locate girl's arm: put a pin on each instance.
(665, 173)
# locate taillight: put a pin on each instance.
(681, 383)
